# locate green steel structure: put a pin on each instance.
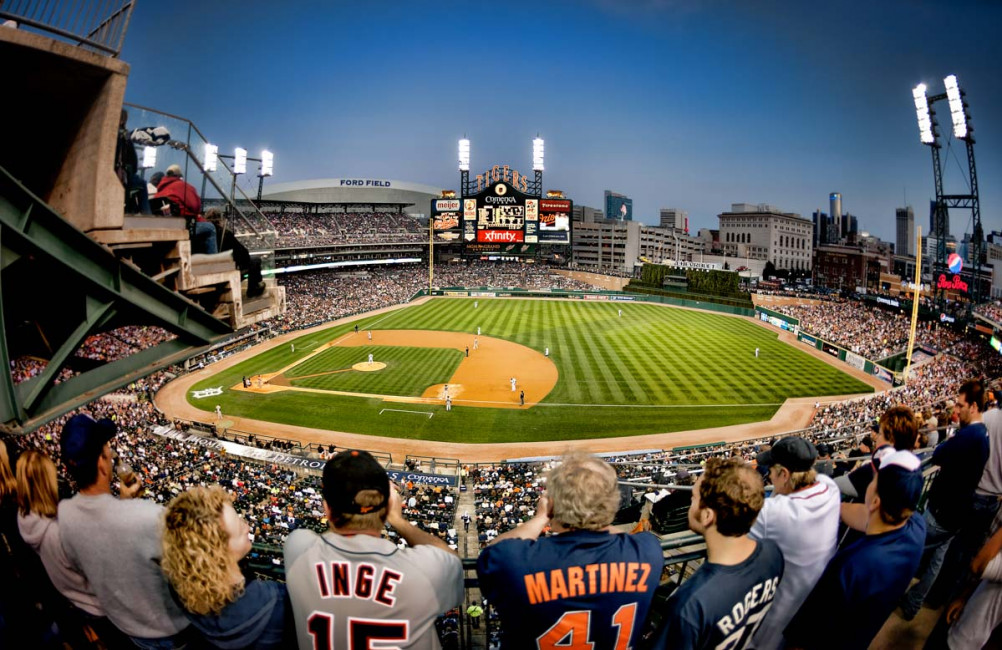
(57, 287)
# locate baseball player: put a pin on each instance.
(756, 353)
(370, 358)
(448, 403)
(370, 334)
(579, 579)
(475, 303)
(512, 384)
(219, 412)
(521, 398)
(620, 313)
(478, 331)
(476, 343)
(292, 347)
(350, 587)
(546, 352)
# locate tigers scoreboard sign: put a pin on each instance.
(500, 211)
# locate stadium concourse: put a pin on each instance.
(277, 497)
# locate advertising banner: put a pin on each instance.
(623, 298)
(532, 210)
(831, 349)
(854, 360)
(500, 236)
(469, 230)
(809, 340)
(447, 205)
(446, 221)
(421, 478)
(883, 374)
(469, 209)
(550, 205)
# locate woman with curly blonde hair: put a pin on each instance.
(204, 540)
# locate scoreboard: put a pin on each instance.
(502, 218)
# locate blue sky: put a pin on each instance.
(689, 104)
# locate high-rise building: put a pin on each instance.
(675, 219)
(932, 219)
(821, 222)
(904, 242)
(835, 210)
(618, 206)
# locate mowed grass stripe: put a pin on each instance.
(409, 371)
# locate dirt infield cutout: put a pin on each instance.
(482, 379)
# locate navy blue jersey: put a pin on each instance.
(572, 589)
(720, 607)
(862, 585)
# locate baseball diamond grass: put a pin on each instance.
(656, 369)
(408, 370)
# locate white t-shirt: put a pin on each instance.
(991, 478)
(805, 527)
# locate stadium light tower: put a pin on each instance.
(149, 158)
(537, 154)
(929, 135)
(239, 160)
(537, 163)
(464, 166)
(211, 157)
(267, 169)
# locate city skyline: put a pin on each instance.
(688, 105)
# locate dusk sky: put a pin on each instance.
(688, 104)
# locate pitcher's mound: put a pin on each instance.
(365, 366)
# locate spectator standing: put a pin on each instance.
(576, 581)
(38, 500)
(802, 518)
(724, 602)
(475, 611)
(897, 428)
(961, 459)
(368, 587)
(864, 580)
(975, 614)
(204, 540)
(115, 543)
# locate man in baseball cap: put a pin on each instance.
(356, 580)
(865, 580)
(802, 518)
(115, 543)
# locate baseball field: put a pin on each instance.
(580, 371)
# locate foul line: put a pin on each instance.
(430, 415)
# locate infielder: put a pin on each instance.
(448, 403)
(476, 343)
(370, 334)
(546, 352)
(350, 587)
(513, 384)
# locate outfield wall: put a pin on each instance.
(791, 324)
(614, 296)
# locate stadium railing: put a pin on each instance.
(91, 24)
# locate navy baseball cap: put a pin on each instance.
(83, 440)
(793, 452)
(899, 480)
(349, 473)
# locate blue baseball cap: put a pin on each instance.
(83, 440)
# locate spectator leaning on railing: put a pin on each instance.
(366, 589)
(585, 580)
(802, 517)
(863, 582)
(724, 602)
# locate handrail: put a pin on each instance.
(82, 21)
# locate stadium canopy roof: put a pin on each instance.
(359, 190)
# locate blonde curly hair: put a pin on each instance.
(583, 491)
(196, 557)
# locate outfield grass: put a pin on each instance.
(408, 370)
(656, 369)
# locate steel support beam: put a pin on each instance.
(54, 261)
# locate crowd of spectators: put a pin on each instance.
(298, 229)
(122, 342)
(990, 310)
(869, 332)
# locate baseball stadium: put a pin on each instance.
(209, 376)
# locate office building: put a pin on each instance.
(763, 232)
(904, 242)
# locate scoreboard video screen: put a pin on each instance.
(502, 218)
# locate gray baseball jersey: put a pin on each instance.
(348, 590)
